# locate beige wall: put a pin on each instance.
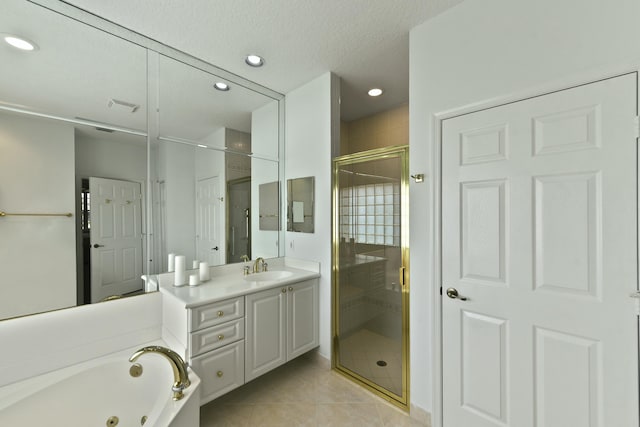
(384, 129)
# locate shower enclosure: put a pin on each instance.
(370, 260)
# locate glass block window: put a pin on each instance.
(371, 214)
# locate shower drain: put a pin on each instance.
(381, 363)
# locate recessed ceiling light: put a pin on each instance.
(20, 42)
(221, 86)
(202, 146)
(375, 92)
(254, 60)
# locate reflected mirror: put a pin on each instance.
(73, 140)
(300, 201)
(72, 110)
(212, 150)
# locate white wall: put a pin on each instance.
(110, 158)
(177, 170)
(38, 254)
(264, 141)
(479, 50)
(308, 142)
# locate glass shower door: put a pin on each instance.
(370, 282)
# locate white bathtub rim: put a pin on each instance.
(13, 393)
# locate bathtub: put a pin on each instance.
(101, 392)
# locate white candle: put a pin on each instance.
(204, 271)
(193, 280)
(172, 261)
(195, 263)
(180, 277)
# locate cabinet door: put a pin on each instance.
(220, 370)
(265, 337)
(302, 318)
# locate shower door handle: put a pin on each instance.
(233, 241)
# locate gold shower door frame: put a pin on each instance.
(401, 152)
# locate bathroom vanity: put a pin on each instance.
(236, 327)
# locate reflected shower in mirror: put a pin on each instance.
(70, 110)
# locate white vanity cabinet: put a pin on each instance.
(281, 324)
(216, 346)
(236, 328)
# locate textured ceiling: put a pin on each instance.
(365, 42)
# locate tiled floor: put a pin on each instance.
(303, 392)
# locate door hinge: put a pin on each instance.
(637, 126)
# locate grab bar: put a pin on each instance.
(68, 214)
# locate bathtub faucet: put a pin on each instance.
(179, 367)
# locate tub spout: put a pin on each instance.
(179, 367)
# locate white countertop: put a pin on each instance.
(229, 282)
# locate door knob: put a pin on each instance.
(453, 294)
(98, 246)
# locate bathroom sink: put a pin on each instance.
(268, 276)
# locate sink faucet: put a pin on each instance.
(258, 265)
(179, 367)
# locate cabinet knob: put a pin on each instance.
(284, 290)
(290, 289)
(220, 337)
(220, 313)
(219, 374)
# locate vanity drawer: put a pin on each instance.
(216, 337)
(220, 370)
(216, 313)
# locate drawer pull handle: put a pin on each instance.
(220, 374)
(220, 313)
(290, 289)
(220, 337)
(284, 290)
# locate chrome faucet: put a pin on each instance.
(258, 265)
(179, 367)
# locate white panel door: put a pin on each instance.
(116, 237)
(539, 235)
(209, 244)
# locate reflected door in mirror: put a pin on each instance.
(209, 220)
(116, 238)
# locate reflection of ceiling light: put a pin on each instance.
(126, 107)
(375, 92)
(221, 86)
(202, 146)
(254, 60)
(20, 43)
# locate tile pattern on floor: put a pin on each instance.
(303, 392)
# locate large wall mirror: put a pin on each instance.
(212, 148)
(114, 153)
